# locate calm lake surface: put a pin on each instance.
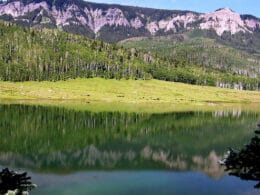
(85, 152)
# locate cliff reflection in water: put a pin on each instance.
(61, 140)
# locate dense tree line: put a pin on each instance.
(27, 54)
(38, 55)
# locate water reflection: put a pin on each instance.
(93, 158)
(224, 113)
(60, 140)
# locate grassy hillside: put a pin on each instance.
(135, 91)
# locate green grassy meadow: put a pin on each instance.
(124, 91)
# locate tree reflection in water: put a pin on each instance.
(15, 183)
(246, 162)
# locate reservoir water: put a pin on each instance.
(72, 151)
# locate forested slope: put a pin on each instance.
(229, 65)
(29, 54)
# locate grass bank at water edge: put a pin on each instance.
(126, 91)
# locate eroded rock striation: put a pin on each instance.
(98, 19)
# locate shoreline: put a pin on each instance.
(151, 96)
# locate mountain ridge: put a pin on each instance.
(113, 22)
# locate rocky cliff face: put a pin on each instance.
(100, 19)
